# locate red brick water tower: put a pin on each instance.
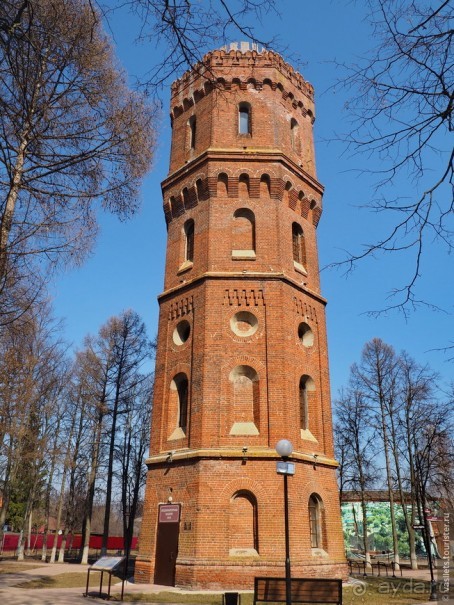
(242, 356)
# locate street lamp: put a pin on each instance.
(127, 546)
(284, 448)
(421, 486)
(428, 543)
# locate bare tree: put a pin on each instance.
(109, 384)
(93, 379)
(356, 439)
(396, 410)
(121, 348)
(72, 134)
(184, 31)
(32, 375)
(402, 107)
(79, 455)
(131, 451)
(377, 376)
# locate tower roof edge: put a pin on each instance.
(222, 62)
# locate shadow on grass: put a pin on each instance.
(62, 580)
(383, 591)
(180, 598)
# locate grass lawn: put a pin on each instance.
(372, 591)
(67, 580)
(18, 566)
(377, 591)
(386, 591)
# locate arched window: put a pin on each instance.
(182, 388)
(179, 406)
(244, 118)
(265, 186)
(192, 129)
(299, 245)
(243, 524)
(243, 233)
(223, 184)
(306, 390)
(243, 186)
(186, 200)
(286, 193)
(245, 408)
(294, 134)
(189, 241)
(200, 189)
(315, 521)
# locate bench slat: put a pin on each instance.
(303, 590)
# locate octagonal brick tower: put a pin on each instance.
(242, 356)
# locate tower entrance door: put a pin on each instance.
(167, 544)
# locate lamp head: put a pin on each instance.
(284, 448)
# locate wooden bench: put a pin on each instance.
(303, 590)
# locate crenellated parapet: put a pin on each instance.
(235, 67)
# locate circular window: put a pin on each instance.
(305, 334)
(181, 332)
(244, 323)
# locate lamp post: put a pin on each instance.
(127, 546)
(420, 457)
(428, 543)
(284, 448)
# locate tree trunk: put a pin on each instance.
(29, 534)
(118, 382)
(391, 500)
(61, 552)
(105, 535)
(62, 491)
(58, 521)
(91, 488)
(6, 220)
(20, 546)
(48, 491)
(44, 549)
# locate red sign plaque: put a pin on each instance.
(169, 513)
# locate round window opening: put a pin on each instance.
(181, 332)
(305, 334)
(244, 323)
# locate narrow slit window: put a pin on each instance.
(315, 522)
(182, 388)
(189, 243)
(192, 132)
(304, 407)
(294, 134)
(244, 119)
(299, 245)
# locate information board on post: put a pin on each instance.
(107, 563)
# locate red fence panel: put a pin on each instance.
(73, 541)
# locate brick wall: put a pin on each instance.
(245, 324)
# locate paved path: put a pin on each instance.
(10, 595)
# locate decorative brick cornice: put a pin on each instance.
(221, 69)
(202, 187)
(230, 452)
(235, 275)
(181, 307)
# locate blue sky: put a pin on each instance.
(127, 264)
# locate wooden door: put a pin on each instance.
(166, 553)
